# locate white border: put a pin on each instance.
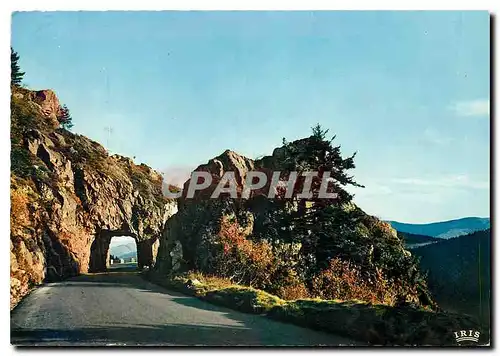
(47, 5)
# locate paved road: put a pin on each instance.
(122, 309)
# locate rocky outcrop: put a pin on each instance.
(47, 103)
(188, 234)
(69, 197)
(185, 239)
(191, 239)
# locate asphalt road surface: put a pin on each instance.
(122, 309)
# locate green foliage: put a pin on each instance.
(24, 165)
(315, 220)
(244, 299)
(65, 118)
(371, 261)
(16, 76)
(318, 154)
(301, 248)
(23, 118)
(413, 239)
(20, 162)
(459, 273)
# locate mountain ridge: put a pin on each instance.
(124, 250)
(443, 229)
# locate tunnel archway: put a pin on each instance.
(100, 250)
(122, 252)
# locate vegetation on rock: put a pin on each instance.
(294, 247)
(67, 193)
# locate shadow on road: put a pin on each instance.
(177, 334)
(205, 324)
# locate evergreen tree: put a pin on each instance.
(16, 76)
(316, 222)
(65, 118)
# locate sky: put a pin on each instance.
(408, 91)
(121, 240)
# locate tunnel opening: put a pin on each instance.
(141, 253)
(100, 250)
(122, 252)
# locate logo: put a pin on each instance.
(270, 184)
(467, 335)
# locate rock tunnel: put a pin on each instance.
(100, 256)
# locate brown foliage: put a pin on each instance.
(344, 280)
(19, 213)
(255, 264)
(243, 260)
(258, 264)
(293, 291)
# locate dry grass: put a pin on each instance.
(19, 212)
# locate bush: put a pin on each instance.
(20, 162)
(240, 259)
(19, 213)
(293, 291)
(23, 116)
(254, 263)
(344, 280)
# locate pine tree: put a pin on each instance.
(318, 154)
(315, 221)
(16, 76)
(65, 118)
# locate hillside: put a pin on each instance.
(123, 251)
(69, 197)
(412, 241)
(444, 229)
(459, 273)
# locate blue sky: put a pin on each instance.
(409, 91)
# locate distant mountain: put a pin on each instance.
(413, 241)
(444, 229)
(122, 250)
(459, 273)
(129, 254)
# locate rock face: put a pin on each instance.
(48, 103)
(187, 235)
(191, 239)
(69, 197)
(185, 239)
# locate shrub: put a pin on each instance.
(20, 162)
(344, 280)
(19, 213)
(240, 259)
(255, 263)
(293, 291)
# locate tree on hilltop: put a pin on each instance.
(65, 118)
(16, 76)
(316, 221)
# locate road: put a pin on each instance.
(122, 309)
